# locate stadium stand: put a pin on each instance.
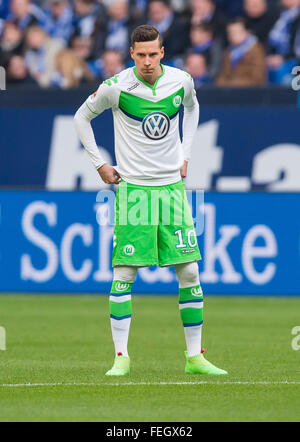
(40, 40)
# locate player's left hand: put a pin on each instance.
(183, 170)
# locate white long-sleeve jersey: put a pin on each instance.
(148, 147)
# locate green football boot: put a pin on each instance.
(121, 367)
(199, 365)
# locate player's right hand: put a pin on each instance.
(109, 174)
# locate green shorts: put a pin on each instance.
(153, 226)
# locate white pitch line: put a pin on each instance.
(85, 384)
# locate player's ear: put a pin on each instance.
(131, 52)
(162, 51)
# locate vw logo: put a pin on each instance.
(156, 125)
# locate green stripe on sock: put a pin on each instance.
(121, 287)
(120, 309)
(191, 315)
(191, 293)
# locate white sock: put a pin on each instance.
(120, 328)
(188, 276)
(120, 333)
(193, 337)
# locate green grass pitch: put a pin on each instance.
(62, 344)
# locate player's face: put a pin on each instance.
(147, 57)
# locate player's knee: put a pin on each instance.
(125, 273)
(188, 274)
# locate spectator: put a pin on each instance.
(83, 48)
(24, 14)
(90, 21)
(203, 42)
(281, 56)
(196, 66)
(40, 54)
(117, 30)
(244, 61)
(260, 19)
(206, 11)
(172, 27)
(112, 64)
(11, 42)
(107, 66)
(60, 19)
(70, 71)
(17, 72)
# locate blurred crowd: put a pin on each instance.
(228, 43)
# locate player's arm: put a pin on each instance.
(96, 104)
(190, 121)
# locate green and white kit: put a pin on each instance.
(153, 220)
(149, 154)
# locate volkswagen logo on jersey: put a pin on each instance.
(156, 125)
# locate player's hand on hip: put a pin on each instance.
(109, 174)
(183, 170)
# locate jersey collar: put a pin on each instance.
(148, 84)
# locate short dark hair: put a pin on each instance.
(237, 20)
(145, 33)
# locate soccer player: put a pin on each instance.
(151, 162)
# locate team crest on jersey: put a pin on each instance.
(177, 101)
(129, 250)
(156, 125)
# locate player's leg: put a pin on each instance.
(120, 317)
(191, 311)
(191, 305)
(134, 245)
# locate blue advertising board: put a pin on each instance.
(235, 149)
(52, 242)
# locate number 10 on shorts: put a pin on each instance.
(191, 238)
